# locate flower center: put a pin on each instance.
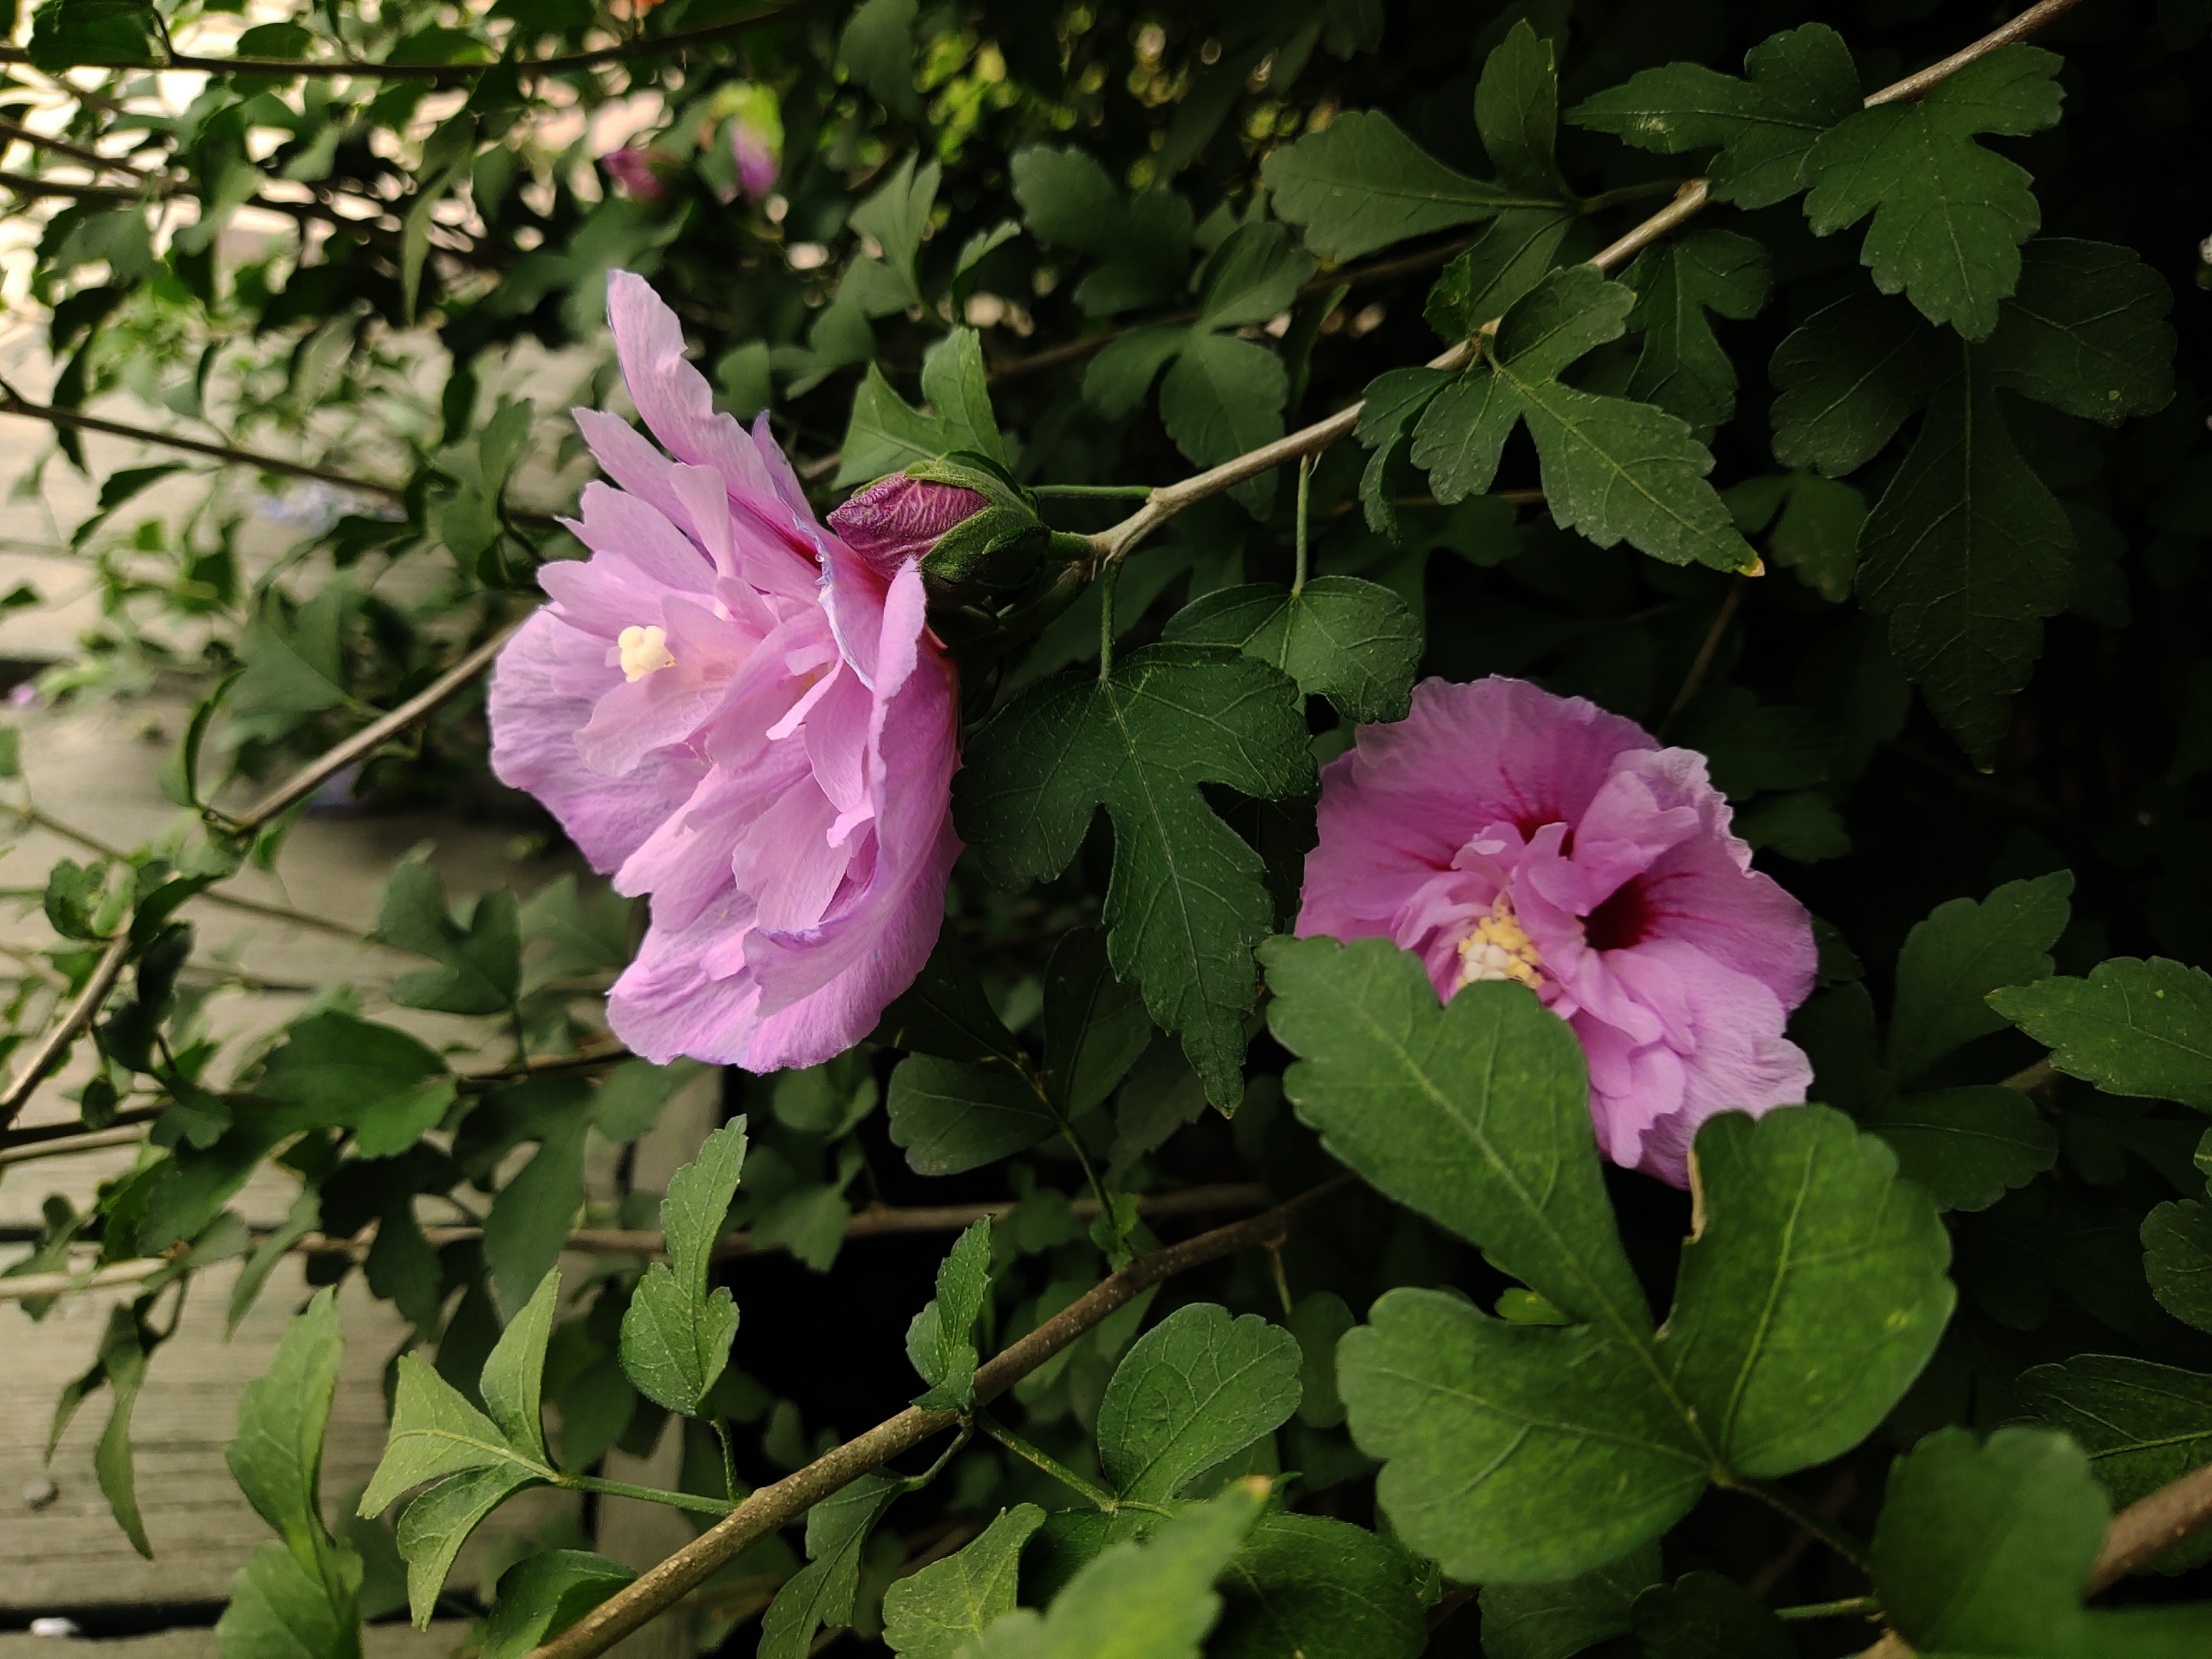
(1497, 948)
(644, 651)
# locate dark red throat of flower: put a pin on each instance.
(1621, 921)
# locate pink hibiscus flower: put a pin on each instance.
(1500, 832)
(729, 710)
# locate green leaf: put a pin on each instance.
(1846, 379)
(1613, 469)
(1797, 84)
(1817, 535)
(121, 1363)
(293, 663)
(878, 48)
(282, 1609)
(1618, 470)
(676, 1336)
(2143, 1426)
(1194, 1390)
(435, 1433)
(1982, 1550)
(941, 1341)
(1951, 962)
(2137, 1028)
(1143, 243)
(1254, 276)
(1121, 374)
(937, 1613)
(1351, 641)
(480, 966)
(1558, 1620)
(1509, 256)
(952, 380)
(513, 1372)
(531, 1217)
(1949, 215)
(1750, 747)
(2177, 1241)
(1964, 553)
(299, 1595)
(822, 1593)
(1461, 436)
(1326, 1589)
(386, 1086)
(1361, 185)
(1808, 1301)
(1677, 280)
(945, 1012)
(1223, 396)
(540, 1597)
(1517, 111)
(2086, 331)
(1966, 1146)
(1185, 902)
(69, 32)
(278, 1457)
(1153, 1600)
(1703, 1615)
(1095, 1025)
(951, 1116)
(435, 1525)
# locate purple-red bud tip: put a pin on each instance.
(898, 518)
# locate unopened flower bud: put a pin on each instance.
(898, 518)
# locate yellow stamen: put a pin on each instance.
(644, 651)
(1499, 948)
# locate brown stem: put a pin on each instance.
(1702, 666)
(372, 736)
(2018, 29)
(12, 402)
(92, 158)
(772, 1507)
(284, 69)
(46, 1053)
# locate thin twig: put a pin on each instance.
(48, 1052)
(92, 844)
(2149, 1526)
(27, 1287)
(14, 403)
(45, 1134)
(91, 158)
(63, 1146)
(2018, 29)
(533, 68)
(1695, 681)
(372, 736)
(655, 1591)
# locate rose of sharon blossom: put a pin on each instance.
(1500, 832)
(898, 518)
(728, 710)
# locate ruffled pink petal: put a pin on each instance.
(548, 678)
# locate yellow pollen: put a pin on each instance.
(644, 651)
(1497, 948)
